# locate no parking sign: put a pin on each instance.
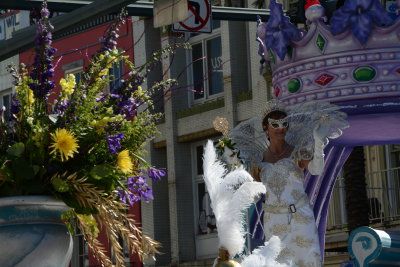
(199, 19)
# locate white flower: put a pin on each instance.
(29, 120)
(231, 157)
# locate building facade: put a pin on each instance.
(220, 77)
(10, 22)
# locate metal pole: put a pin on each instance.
(139, 8)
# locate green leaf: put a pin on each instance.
(23, 170)
(100, 171)
(16, 150)
(67, 217)
(59, 184)
(6, 174)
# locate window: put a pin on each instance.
(5, 101)
(206, 55)
(76, 71)
(115, 74)
(80, 255)
(205, 216)
(382, 185)
(337, 217)
(394, 156)
(393, 180)
(126, 252)
(75, 68)
(78, 77)
(83, 252)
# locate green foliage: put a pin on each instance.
(45, 141)
(84, 146)
(16, 150)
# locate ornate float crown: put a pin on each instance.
(354, 57)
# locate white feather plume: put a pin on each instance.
(230, 195)
(265, 256)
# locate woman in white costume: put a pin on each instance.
(281, 145)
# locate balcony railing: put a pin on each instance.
(383, 191)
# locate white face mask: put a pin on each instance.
(278, 124)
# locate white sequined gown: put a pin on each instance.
(298, 232)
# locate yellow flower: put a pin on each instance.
(25, 95)
(67, 86)
(37, 137)
(103, 72)
(30, 98)
(124, 162)
(65, 143)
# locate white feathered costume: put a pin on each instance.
(231, 194)
(310, 126)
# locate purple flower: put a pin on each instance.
(361, 16)
(101, 98)
(61, 106)
(127, 197)
(49, 73)
(15, 106)
(155, 174)
(113, 95)
(279, 32)
(137, 189)
(42, 67)
(50, 52)
(44, 11)
(114, 143)
(128, 107)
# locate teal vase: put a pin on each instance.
(32, 233)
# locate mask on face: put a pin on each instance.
(278, 124)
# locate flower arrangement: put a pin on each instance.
(226, 147)
(86, 147)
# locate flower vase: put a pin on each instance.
(32, 232)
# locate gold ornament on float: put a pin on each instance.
(224, 259)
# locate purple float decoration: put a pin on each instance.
(362, 77)
(279, 32)
(361, 16)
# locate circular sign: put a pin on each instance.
(196, 13)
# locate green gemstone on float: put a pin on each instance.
(320, 42)
(294, 85)
(364, 74)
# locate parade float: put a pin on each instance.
(351, 60)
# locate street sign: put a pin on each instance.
(167, 12)
(199, 19)
(11, 22)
